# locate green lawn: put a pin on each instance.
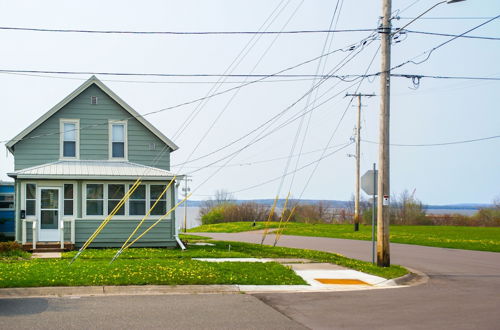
(52, 272)
(172, 267)
(243, 250)
(456, 237)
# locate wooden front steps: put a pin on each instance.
(48, 247)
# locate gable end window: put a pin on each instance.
(118, 140)
(69, 138)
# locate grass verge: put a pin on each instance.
(455, 237)
(144, 266)
(246, 250)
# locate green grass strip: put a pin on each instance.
(454, 237)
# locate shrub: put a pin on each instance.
(10, 246)
(212, 216)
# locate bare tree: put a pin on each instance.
(221, 197)
(407, 210)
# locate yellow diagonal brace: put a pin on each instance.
(269, 217)
(149, 212)
(157, 221)
(110, 216)
(281, 218)
(278, 235)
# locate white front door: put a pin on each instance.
(49, 214)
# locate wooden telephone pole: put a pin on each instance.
(383, 207)
(358, 158)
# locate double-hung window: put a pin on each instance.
(118, 140)
(69, 138)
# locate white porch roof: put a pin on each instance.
(93, 170)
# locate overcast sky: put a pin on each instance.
(433, 111)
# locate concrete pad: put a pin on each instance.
(311, 275)
(46, 255)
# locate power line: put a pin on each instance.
(418, 76)
(448, 17)
(430, 51)
(161, 82)
(451, 35)
(295, 170)
(345, 49)
(14, 28)
(178, 75)
(265, 160)
(438, 144)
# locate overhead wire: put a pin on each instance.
(31, 29)
(273, 120)
(263, 77)
(232, 66)
(299, 129)
(223, 110)
(437, 143)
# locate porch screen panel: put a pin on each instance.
(115, 194)
(68, 199)
(95, 199)
(155, 192)
(30, 199)
(137, 202)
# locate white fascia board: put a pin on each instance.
(88, 177)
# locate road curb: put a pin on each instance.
(415, 277)
(63, 291)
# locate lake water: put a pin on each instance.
(193, 216)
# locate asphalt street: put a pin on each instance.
(463, 292)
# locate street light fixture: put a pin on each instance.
(383, 191)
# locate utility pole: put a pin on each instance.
(358, 158)
(383, 207)
(185, 191)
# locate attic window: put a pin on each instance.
(93, 100)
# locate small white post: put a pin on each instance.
(72, 231)
(23, 234)
(34, 234)
(62, 234)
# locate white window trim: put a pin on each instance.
(127, 186)
(110, 139)
(63, 121)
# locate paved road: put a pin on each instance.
(463, 293)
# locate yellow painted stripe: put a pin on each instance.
(341, 281)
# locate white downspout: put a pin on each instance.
(176, 229)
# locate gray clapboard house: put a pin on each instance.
(75, 163)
